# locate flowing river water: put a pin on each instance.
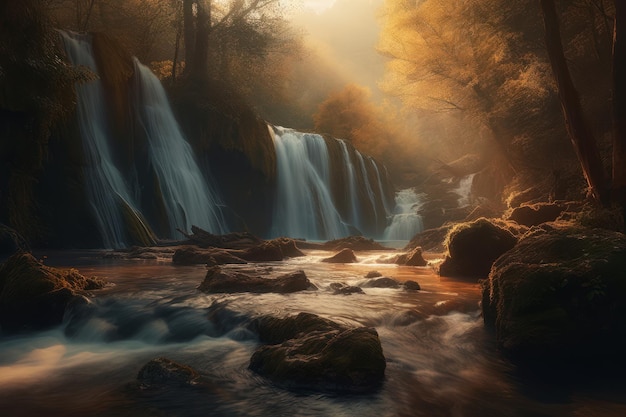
(440, 359)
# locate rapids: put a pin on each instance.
(440, 360)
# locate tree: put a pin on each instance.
(606, 191)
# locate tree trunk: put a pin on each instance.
(189, 33)
(200, 63)
(619, 105)
(579, 133)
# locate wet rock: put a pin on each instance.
(274, 330)
(219, 281)
(535, 214)
(559, 297)
(345, 256)
(193, 256)
(34, 296)
(373, 274)
(473, 247)
(430, 240)
(162, 372)
(317, 354)
(382, 282)
(411, 286)
(272, 250)
(339, 288)
(356, 243)
(412, 258)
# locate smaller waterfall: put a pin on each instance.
(464, 190)
(304, 206)
(405, 223)
(187, 197)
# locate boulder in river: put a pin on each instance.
(164, 372)
(34, 296)
(473, 247)
(559, 297)
(272, 250)
(412, 258)
(343, 289)
(311, 353)
(220, 281)
(345, 256)
(190, 255)
(381, 282)
(356, 243)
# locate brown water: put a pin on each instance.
(440, 360)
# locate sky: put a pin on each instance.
(345, 32)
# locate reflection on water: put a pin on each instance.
(440, 360)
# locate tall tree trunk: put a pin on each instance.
(579, 132)
(189, 33)
(619, 104)
(200, 65)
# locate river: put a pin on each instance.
(440, 359)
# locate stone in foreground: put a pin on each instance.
(320, 355)
(219, 281)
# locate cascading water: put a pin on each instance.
(405, 223)
(355, 218)
(464, 190)
(106, 188)
(187, 197)
(304, 206)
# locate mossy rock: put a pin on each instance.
(34, 296)
(311, 353)
(559, 297)
(473, 247)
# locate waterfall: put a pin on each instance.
(405, 223)
(182, 190)
(304, 206)
(355, 219)
(187, 197)
(106, 189)
(464, 190)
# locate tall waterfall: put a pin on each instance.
(179, 185)
(106, 188)
(465, 190)
(405, 223)
(351, 181)
(187, 197)
(304, 206)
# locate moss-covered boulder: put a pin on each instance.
(535, 214)
(34, 296)
(311, 353)
(473, 247)
(559, 297)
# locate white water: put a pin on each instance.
(405, 223)
(188, 198)
(304, 206)
(355, 218)
(105, 184)
(464, 190)
(440, 360)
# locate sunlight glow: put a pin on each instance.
(319, 6)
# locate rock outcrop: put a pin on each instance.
(34, 296)
(559, 297)
(473, 247)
